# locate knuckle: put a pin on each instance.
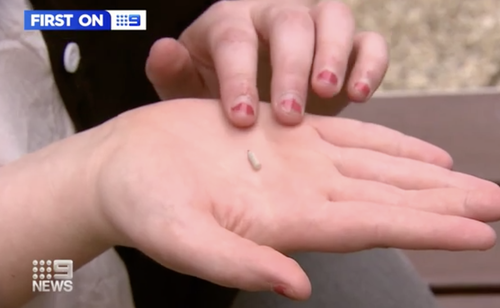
(375, 40)
(227, 33)
(291, 15)
(376, 43)
(240, 83)
(162, 47)
(332, 52)
(373, 37)
(338, 61)
(334, 6)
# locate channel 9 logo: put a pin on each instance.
(132, 20)
(52, 276)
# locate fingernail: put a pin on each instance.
(243, 106)
(328, 77)
(281, 290)
(290, 104)
(362, 88)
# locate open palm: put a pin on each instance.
(187, 196)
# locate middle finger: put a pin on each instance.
(334, 41)
(290, 33)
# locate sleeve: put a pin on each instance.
(31, 114)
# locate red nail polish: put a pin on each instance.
(328, 77)
(279, 289)
(249, 111)
(237, 108)
(363, 88)
(243, 108)
(291, 104)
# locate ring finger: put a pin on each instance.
(334, 41)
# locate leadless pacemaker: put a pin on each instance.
(253, 160)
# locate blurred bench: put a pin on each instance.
(467, 125)
(462, 279)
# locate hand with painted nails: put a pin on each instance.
(178, 185)
(313, 48)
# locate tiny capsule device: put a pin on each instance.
(253, 160)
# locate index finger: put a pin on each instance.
(350, 133)
(234, 48)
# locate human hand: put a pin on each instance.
(218, 56)
(177, 185)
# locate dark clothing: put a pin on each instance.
(110, 80)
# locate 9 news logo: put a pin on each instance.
(130, 20)
(52, 276)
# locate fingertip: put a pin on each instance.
(323, 90)
(298, 294)
(430, 153)
(282, 274)
(290, 280)
(162, 45)
(242, 112)
(370, 65)
(171, 71)
(486, 237)
(482, 204)
(359, 92)
(457, 233)
(165, 55)
(254, 267)
(491, 238)
(242, 121)
(326, 84)
(289, 110)
(287, 119)
(444, 160)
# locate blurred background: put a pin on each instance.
(436, 44)
(450, 46)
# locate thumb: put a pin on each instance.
(213, 253)
(171, 70)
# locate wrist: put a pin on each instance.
(49, 211)
(76, 182)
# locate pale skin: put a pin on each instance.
(312, 46)
(173, 180)
(177, 185)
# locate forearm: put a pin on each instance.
(47, 213)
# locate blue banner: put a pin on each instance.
(85, 20)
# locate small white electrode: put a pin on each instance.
(253, 160)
